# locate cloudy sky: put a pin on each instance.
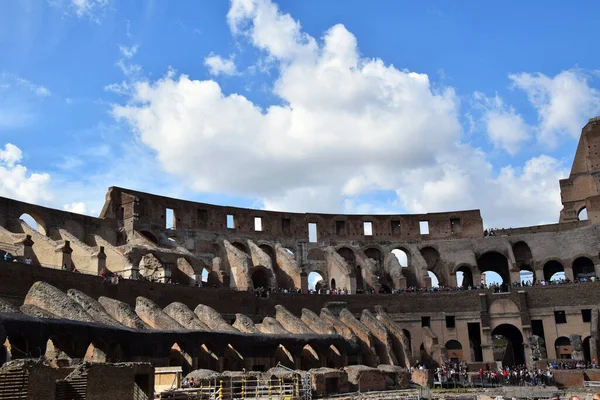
(309, 106)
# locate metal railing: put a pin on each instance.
(242, 388)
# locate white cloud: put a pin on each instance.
(17, 183)
(563, 102)
(505, 128)
(92, 9)
(77, 208)
(345, 126)
(218, 65)
(128, 52)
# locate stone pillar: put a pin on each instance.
(539, 275)
(28, 249)
(101, 260)
(569, 273)
(577, 348)
(65, 256)
(304, 282)
(221, 364)
(476, 277)
(515, 276)
(452, 281)
(487, 345)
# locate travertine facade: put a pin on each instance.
(219, 255)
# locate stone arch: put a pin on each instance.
(284, 280)
(514, 353)
(241, 247)
(454, 351)
(587, 355)
(435, 280)
(96, 352)
(150, 236)
(583, 268)
(348, 255)
(408, 338)
(316, 255)
(431, 256)
(55, 354)
(495, 262)
(563, 348)
(551, 268)
(18, 346)
(466, 273)
(582, 214)
(207, 359)
(179, 358)
(316, 281)
(332, 284)
(523, 256)
(35, 222)
(374, 254)
(261, 277)
(403, 256)
(334, 357)
(284, 357)
(309, 358)
(233, 359)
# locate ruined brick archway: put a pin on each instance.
(467, 276)
(583, 268)
(35, 222)
(514, 353)
(261, 277)
(495, 262)
(552, 268)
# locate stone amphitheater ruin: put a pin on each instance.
(218, 255)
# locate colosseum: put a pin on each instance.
(223, 288)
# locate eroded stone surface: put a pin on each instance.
(49, 298)
(272, 326)
(122, 312)
(35, 311)
(213, 319)
(244, 324)
(152, 315)
(92, 307)
(290, 322)
(184, 316)
(7, 307)
(315, 323)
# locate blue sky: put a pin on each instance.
(369, 107)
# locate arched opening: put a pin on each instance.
(96, 352)
(34, 223)
(315, 281)
(204, 276)
(213, 279)
(435, 283)
(464, 277)
(408, 339)
(289, 251)
(332, 284)
(374, 254)
(334, 357)
(491, 278)
(553, 270)
(563, 348)
(583, 269)
(179, 358)
(360, 283)
(582, 214)
(233, 360)
(207, 359)
(402, 257)
(242, 247)
(431, 256)
(508, 345)
(454, 351)
(523, 256)
(586, 350)
(261, 277)
(348, 255)
(494, 262)
(309, 358)
(150, 236)
(526, 277)
(284, 357)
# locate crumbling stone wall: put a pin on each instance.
(152, 315)
(185, 317)
(122, 312)
(49, 298)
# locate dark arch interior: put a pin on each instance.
(562, 341)
(586, 349)
(150, 236)
(374, 254)
(467, 276)
(551, 268)
(496, 262)
(583, 268)
(523, 256)
(348, 255)
(260, 278)
(514, 354)
(241, 247)
(332, 283)
(431, 256)
(360, 284)
(453, 345)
